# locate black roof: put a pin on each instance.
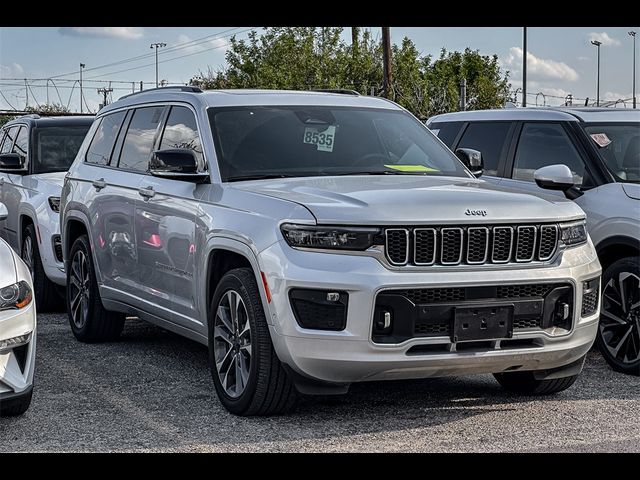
(59, 121)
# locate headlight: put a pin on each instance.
(54, 203)
(337, 238)
(573, 233)
(16, 296)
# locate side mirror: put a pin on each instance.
(12, 163)
(472, 159)
(557, 177)
(4, 213)
(176, 164)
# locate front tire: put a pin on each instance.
(90, 321)
(247, 374)
(619, 328)
(525, 383)
(45, 291)
(16, 405)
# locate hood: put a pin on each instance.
(632, 190)
(7, 265)
(54, 178)
(412, 200)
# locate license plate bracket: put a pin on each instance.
(482, 322)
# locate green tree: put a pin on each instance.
(302, 58)
(48, 109)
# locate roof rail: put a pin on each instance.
(342, 91)
(182, 88)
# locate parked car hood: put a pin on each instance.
(397, 200)
(7, 265)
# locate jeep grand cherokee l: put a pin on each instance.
(312, 240)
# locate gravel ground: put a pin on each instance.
(152, 392)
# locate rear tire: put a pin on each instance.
(16, 405)
(525, 383)
(90, 321)
(260, 386)
(46, 292)
(619, 328)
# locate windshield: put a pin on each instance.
(619, 146)
(56, 147)
(272, 141)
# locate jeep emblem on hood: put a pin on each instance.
(468, 211)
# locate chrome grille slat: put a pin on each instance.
(471, 244)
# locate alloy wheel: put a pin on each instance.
(232, 343)
(79, 289)
(620, 317)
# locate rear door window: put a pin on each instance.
(99, 151)
(489, 138)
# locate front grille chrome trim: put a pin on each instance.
(442, 244)
(386, 245)
(486, 245)
(493, 251)
(533, 248)
(543, 228)
(415, 245)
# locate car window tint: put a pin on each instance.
(139, 140)
(446, 131)
(489, 138)
(543, 144)
(99, 152)
(8, 141)
(22, 142)
(181, 131)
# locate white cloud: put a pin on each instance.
(604, 37)
(126, 33)
(11, 71)
(217, 43)
(540, 68)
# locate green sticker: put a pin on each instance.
(322, 138)
(412, 168)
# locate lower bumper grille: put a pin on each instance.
(57, 247)
(430, 312)
(590, 296)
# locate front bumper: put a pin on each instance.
(351, 355)
(16, 367)
(53, 268)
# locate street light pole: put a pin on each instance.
(597, 44)
(82, 65)
(524, 66)
(156, 46)
(633, 34)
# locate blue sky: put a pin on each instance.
(561, 60)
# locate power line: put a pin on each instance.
(8, 103)
(179, 46)
(176, 58)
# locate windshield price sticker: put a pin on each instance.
(601, 139)
(322, 138)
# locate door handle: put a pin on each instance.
(146, 193)
(99, 184)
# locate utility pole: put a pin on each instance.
(82, 65)
(156, 46)
(26, 91)
(524, 66)
(386, 57)
(597, 44)
(133, 87)
(355, 31)
(633, 34)
(104, 91)
(463, 94)
(140, 85)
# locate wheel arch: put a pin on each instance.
(616, 247)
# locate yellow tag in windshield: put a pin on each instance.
(412, 168)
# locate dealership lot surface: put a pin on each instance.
(152, 392)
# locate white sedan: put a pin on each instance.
(17, 331)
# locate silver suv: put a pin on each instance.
(601, 148)
(35, 154)
(312, 240)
